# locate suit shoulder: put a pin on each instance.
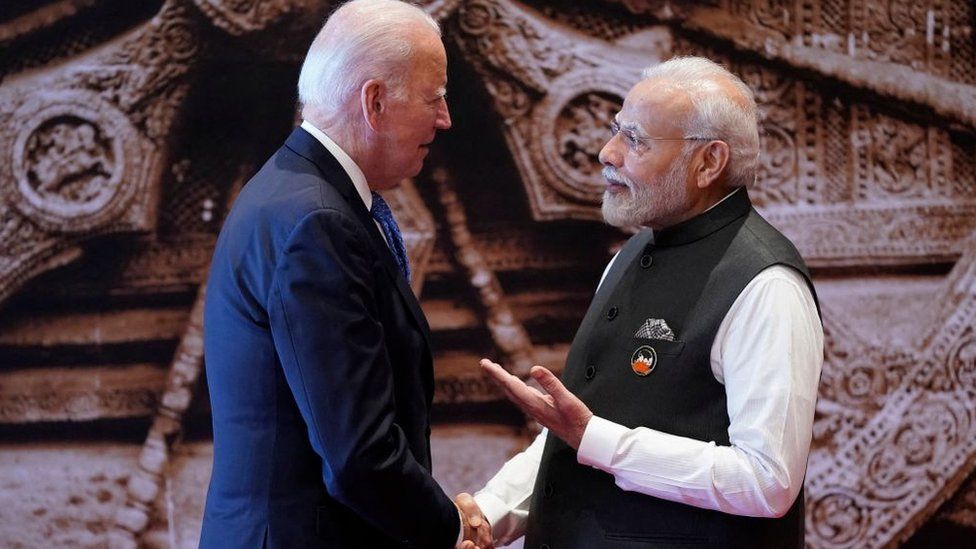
(285, 190)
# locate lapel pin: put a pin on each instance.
(643, 361)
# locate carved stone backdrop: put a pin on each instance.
(126, 129)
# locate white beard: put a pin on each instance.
(647, 203)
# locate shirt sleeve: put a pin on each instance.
(768, 352)
(506, 498)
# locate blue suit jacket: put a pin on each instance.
(320, 372)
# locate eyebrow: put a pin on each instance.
(630, 126)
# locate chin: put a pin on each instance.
(612, 215)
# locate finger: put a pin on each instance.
(484, 537)
(550, 383)
(528, 399)
(508, 382)
(495, 370)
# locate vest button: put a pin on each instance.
(646, 260)
(590, 372)
(545, 546)
(612, 313)
(548, 490)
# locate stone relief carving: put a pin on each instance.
(863, 166)
(239, 17)
(85, 151)
(71, 155)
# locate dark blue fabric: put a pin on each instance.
(320, 373)
(383, 215)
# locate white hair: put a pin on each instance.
(363, 39)
(730, 117)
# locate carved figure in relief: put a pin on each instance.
(582, 130)
(317, 352)
(699, 432)
(68, 161)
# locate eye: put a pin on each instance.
(631, 139)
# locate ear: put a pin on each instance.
(714, 158)
(372, 99)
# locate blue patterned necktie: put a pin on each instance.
(384, 216)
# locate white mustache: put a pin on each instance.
(612, 175)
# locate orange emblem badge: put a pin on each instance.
(643, 361)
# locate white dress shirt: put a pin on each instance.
(362, 188)
(768, 353)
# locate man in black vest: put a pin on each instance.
(686, 406)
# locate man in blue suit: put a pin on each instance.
(318, 355)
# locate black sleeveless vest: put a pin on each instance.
(689, 276)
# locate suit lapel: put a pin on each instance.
(305, 145)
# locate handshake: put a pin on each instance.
(477, 531)
(558, 410)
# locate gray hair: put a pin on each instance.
(733, 118)
(363, 39)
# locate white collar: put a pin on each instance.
(355, 174)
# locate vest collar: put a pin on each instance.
(736, 205)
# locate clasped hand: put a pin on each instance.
(560, 411)
(477, 531)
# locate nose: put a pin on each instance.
(443, 121)
(610, 154)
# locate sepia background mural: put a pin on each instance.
(126, 129)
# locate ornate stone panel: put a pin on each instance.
(72, 157)
(85, 144)
(869, 164)
(887, 476)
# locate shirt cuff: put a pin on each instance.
(599, 443)
(492, 507)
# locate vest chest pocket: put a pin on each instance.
(647, 353)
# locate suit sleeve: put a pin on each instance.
(327, 332)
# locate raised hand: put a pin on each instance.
(477, 531)
(560, 411)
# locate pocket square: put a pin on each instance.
(655, 328)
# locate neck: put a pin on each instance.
(348, 133)
(708, 199)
